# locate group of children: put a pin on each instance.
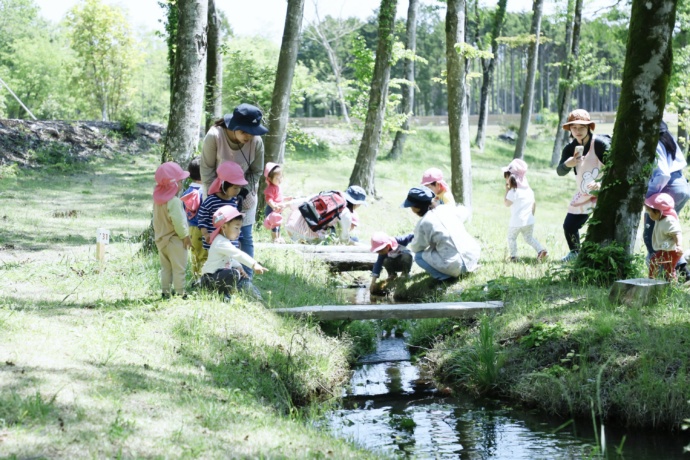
(211, 225)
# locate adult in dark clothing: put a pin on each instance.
(585, 156)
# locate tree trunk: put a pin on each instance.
(646, 76)
(528, 97)
(488, 74)
(683, 131)
(182, 137)
(408, 91)
(214, 69)
(512, 80)
(565, 92)
(458, 119)
(274, 140)
(363, 172)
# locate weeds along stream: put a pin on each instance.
(393, 406)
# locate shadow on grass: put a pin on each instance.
(49, 308)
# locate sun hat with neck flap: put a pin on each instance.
(222, 216)
(662, 202)
(517, 168)
(167, 176)
(579, 117)
(228, 171)
(380, 240)
(247, 118)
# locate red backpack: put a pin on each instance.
(322, 209)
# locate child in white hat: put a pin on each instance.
(170, 229)
(223, 271)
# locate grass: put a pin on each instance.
(94, 364)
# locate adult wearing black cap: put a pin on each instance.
(237, 137)
(441, 245)
(667, 177)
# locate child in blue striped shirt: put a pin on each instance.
(223, 191)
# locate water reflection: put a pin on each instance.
(393, 407)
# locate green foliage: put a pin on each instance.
(249, 72)
(101, 38)
(302, 144)
(56, 155)
(16, 409)
(604, 264)
(542, 333)
(477, 364)
(128, 122)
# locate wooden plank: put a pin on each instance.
(393, 311)
(637, 292)
(316, 248)
(345, 262)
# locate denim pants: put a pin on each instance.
(431, 270)
(246, 240)
(679, 190)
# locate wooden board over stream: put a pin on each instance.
(394, 311)
(339, 258)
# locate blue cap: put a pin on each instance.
(418, 197)
(247, 118)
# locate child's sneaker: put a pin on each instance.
(570, 257)
(542, 255)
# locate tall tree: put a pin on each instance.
(565, 87)
(274, 141)
(646, 76)
(187, 95)
(458, 117)
(488, 65)
(101, 37)
(329, 33)
(363, 172)
(528, 95)
(214, 68)
(408, 90)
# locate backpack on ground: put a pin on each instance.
(322, 209)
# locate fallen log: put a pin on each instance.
(394, 311)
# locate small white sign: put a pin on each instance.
(103, 236)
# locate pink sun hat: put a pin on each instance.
(380, 240)
(223, 215)
(167, 176)
(662, 202)
(228, 171)
(432, 175)
(273, 220)
(518, 168)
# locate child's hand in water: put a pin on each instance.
(259, 269)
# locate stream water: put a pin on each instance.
(392, 406)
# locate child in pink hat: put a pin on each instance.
(223, 270)
(275, 202)
(223, 192)
(667, 238)
(170, 229)
(192, 199)
(393, 256)
(433, 180)
(520, 199)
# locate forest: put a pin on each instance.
(58, 74)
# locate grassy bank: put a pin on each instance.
(93, 363)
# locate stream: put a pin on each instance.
(392, 406)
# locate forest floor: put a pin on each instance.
(93, 363)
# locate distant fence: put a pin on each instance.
(442, 120)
